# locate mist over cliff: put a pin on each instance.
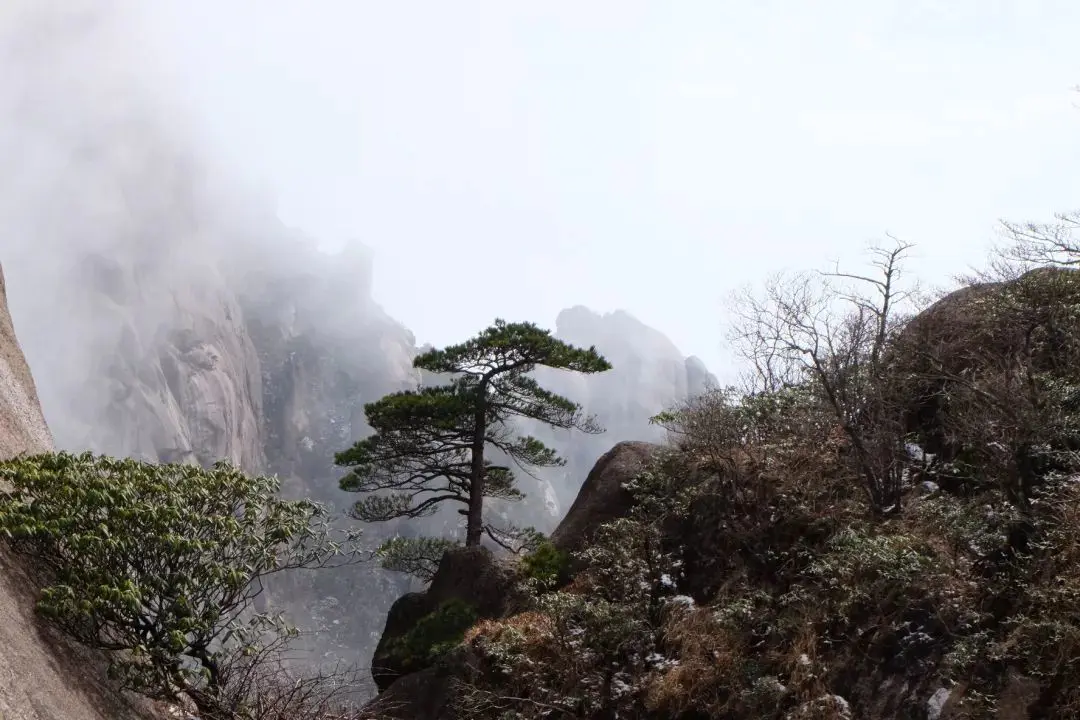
(168, 314)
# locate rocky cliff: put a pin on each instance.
(22, 424)
(42, 677)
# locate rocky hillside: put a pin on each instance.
(42, 677)
(745, 571)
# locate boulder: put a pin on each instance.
(1029, 321)
(424, 695)
(473, 576)
(603, 497)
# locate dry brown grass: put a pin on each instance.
(530, 629)
(709, 666)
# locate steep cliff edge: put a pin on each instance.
(22, 424)
(42, 677)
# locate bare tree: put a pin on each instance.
(1038, 244)
(260, 683)
(831, 330)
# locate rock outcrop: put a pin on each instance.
(993, 332)
(483, 583)
(603, 497)
(42, 676)
(22, 424)
(487, 584)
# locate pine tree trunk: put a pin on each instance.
(475, 528)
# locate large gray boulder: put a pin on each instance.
(603, 497)
(472, 576)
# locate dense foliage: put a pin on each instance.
(160, 564)
(773, 568)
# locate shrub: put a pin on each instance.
(435, 634)
(548, 566)
(159, 563)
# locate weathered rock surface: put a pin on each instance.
(22, 424)
(983, 330)
(471, 575)
(42, 677)
(603, 497)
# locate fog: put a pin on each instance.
(168, 313)
(643, 155)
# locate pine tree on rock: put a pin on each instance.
(429, 445)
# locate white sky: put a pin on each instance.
(513, 158)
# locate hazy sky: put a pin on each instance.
(513, 158)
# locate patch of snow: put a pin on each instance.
(620, 687)
(551, 501)
(916, 452)
(936, 703)
(928, 487)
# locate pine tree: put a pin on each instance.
(429, 445)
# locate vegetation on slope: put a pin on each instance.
(160, 565)
(883, 524)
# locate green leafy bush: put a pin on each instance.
(159, 563)
(435, 634)
(547, 565)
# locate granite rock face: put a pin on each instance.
(603, 496)
(42, 676)
(22, 424)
